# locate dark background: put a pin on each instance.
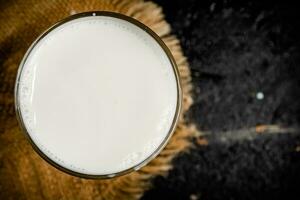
(237, 49)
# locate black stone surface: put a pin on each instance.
(237, 49)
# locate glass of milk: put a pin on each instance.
(98, 95)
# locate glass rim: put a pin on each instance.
(175, 118)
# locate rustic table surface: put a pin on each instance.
(245, 60)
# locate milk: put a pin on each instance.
(97, 95)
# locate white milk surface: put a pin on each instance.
(97, 95)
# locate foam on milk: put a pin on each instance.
(97, 95)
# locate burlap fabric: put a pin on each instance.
(23, 174)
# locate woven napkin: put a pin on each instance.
(23, 174)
